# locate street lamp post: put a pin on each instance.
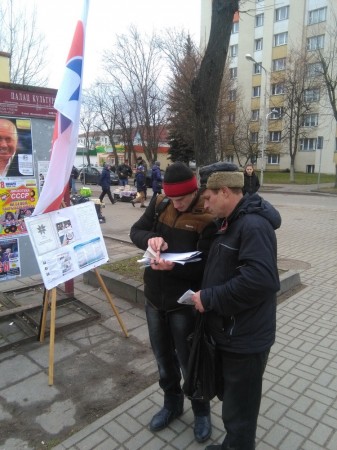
(265, 115)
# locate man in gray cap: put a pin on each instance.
(238, 297)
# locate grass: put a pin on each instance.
(126, 267)
(300, 178)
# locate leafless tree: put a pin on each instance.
(134, 68)
(88, 122)
(240, 137)
(328, 60)
(211, 74)
(299, 77)
(20, 38)
(105, 104)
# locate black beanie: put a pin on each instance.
(179, 180)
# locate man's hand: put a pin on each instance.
(157, 244)
(197, 302)
(161, 264)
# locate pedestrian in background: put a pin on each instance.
(238, 298)
(156, 179)
(251, 180)
(181, 226)
(141, 187)
(105, 183)
(73, 177)
(124, 171)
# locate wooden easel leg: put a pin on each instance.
(52, 336)
(44, 315)
(108, 296)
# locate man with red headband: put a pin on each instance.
(182, 226)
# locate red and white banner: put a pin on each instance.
(65, 136)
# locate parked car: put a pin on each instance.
(91, 175)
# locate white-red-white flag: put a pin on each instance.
(65, 136)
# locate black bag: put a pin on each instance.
(201, 378)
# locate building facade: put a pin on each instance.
(264, 36)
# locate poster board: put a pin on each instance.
(67, 242)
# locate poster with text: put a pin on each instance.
(18, 198)
(67, 242)
(42, 167)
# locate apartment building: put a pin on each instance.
(264, 35)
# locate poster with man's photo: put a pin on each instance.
(16, 149)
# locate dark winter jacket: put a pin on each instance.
(156, 179)
(140, 181)
(124, 171)
(241, 279)
(251, 183)
(184, 232)
(105, 180)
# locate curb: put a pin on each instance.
(133, 291)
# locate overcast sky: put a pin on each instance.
(57, 20)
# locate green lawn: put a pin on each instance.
(300, 178)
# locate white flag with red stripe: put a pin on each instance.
(65, 136)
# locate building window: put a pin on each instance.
(311, 95)
(309, 120)
(259, 19)
(233, 73)
(315, 42)
(255, 114)
(232, 95)
(233, 50)
(274, 136)
(256, 91)
(317, 15)
(231, 117)
(280, 39)
(257, 68)
(281, 13)
(273, 159)
(235, 27)
(258, 44)
(277, 88)
(308, 144)
(276, 113)
(314, 69)
(254, 137)
(279, 64)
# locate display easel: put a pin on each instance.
(49, 299)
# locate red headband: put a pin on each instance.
(181, 188)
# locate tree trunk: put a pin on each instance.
(336, 176)
(206, 87)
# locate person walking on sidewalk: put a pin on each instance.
(251, 180)
(105, 183)
(156, 179)
(141, 187)
(238, 298)
(182, 226)
(124, 171)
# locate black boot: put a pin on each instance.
(163, 418)
(202, 428)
